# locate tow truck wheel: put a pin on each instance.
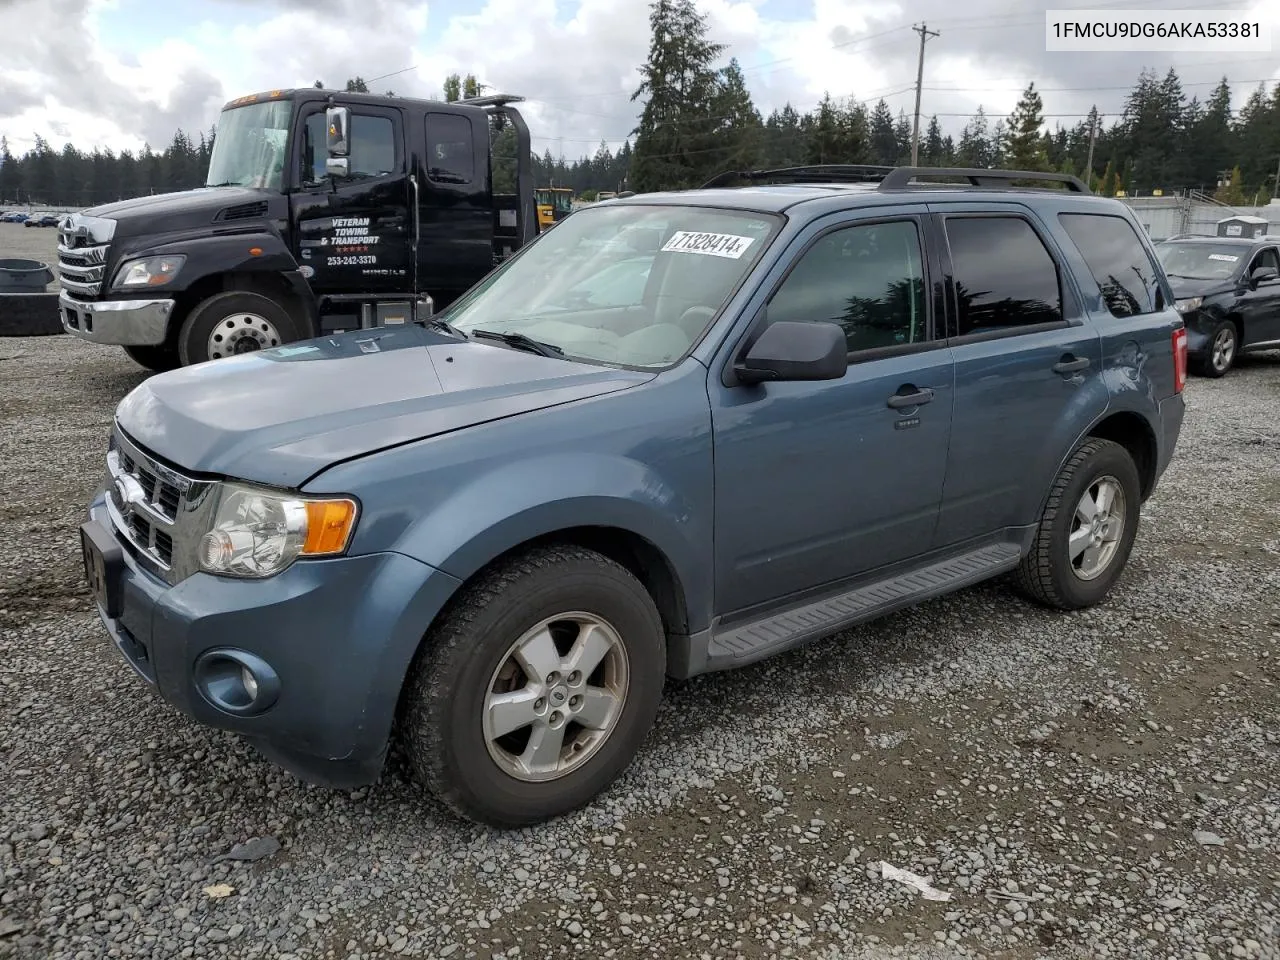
(158, 359)
(232, 323)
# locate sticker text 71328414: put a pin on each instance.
(708, 244)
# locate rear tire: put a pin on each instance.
(1087, 529)
(496, 680)
(235, 322)
(158, 358)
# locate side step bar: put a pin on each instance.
(742, 643)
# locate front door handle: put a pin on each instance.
(899, 400)
(1071, 364)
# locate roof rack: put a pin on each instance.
(901, 177)
(814, 173)
(892, 178)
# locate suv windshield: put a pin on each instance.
(249, 150)
(633, 285)
(1200, 261)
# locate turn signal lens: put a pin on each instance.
(329, 526)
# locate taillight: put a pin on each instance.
(1179, 359)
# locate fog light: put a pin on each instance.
(236, 681)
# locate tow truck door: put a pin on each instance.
(353, 234)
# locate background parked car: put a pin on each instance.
(1228, 292)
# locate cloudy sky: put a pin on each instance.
(116, 73)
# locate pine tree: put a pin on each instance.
(678, 88)
(933, 152)
(1024, 142)
(10, 174)
(739, 127)
(826, 139)
(884, 135)
(902, 137)
(357, 85)
(975, 143)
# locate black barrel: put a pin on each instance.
(24, 276)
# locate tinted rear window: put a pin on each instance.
(1124, 273)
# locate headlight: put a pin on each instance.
(149, 271)
(1186, 306)
(259, 533)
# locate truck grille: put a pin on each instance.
(80, 265)
(147, 502)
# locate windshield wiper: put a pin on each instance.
(226, 183)
(522, 342)
(438, 323)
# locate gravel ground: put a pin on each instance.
(31, 243)
(1094, 785)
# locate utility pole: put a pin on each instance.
(1276, 189)
(1093, 136)
(925, 34)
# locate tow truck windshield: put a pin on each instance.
(633, 285)
(250, 147)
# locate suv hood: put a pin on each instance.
(282, 415)
(1184, 288)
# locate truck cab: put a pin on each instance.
(322, 211)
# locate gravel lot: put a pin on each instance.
(31, 243)
(1093, 785)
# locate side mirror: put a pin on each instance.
(337, 145)
(790, 350)
(1262, 275)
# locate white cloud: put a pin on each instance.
(575, 61)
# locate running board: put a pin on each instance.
(744, 643)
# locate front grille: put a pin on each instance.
(149, 504)
(80, 266)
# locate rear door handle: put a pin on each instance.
(899, 400)
(1074, 365)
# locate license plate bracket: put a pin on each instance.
(103, 567)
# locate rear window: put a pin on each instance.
(1125, 275)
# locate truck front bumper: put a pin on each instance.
(327, 643)
(121, 322)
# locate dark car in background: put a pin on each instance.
(41, 220)
(1228, 292)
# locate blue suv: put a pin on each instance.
(828, 393)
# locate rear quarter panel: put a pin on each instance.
(1137, 351)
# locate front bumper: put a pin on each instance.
(338, 635)
(120, 322)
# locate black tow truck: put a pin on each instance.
(323, 211)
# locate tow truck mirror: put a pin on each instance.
(337, 143)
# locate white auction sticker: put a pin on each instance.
(709, 244)
(1223, 256)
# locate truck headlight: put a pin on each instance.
(259, 533)
(1186, 306)
(148, 271)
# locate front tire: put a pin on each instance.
(235, 322)
(1087, 529)
(537, 688)
(1224, 344)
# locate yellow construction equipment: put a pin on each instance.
(554, 204)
